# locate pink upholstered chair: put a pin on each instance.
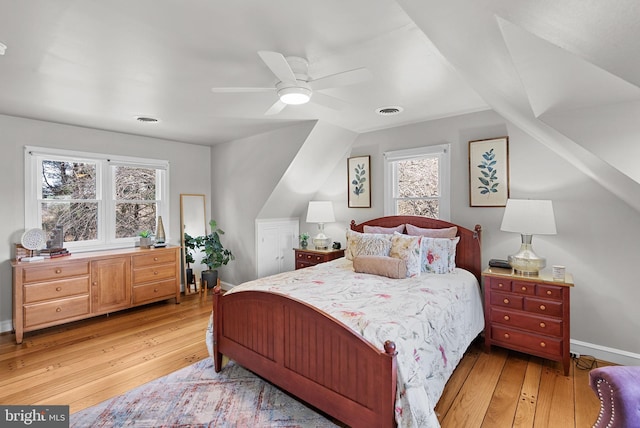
(618, 388)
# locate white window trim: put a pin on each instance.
(443, 151)
(32, 208)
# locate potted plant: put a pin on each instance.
(304, 240)
(215, 255)
(189, 248)
(145, 239)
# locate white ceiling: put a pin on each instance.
(567, 72)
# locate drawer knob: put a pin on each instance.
(58, 309)
(543, 345)
(524, 288)
(95, 283)
(155, 272)
(500, 285)
(506, 301)
(58, 288)
(543, 307)
(507, 318)
(308, 256)
(58, 270)
(543, 325)
(548, 292)
(506, 335)
(155, 259)
(155, 290)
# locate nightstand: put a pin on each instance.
(306, 257)
(529, 314)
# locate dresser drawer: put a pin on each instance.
(154, 273)
(154, 258)
(549, 291)
(56, 310)
(50, 272)
(507, 300)
(55, 289)
(517, 339)
(156, 291)
(310, 258)
(500, 284)
(544, 307)
(541, 325)
(524, 288)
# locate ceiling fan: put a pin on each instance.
(296, 87)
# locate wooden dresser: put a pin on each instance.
(59, 290)
(306, 257)
(529, 314)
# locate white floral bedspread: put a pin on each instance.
(432, 318)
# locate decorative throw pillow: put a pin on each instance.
(380, 229)
(438, 254)
(407, 248)
(367, 244)
(381, 265)
(447, 232)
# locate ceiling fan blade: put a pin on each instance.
(275, 108)
(344, 78)
(278, 64)
(328, 101)
(229, 90)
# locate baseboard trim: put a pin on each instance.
(612, 355)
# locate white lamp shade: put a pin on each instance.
(529, 217)
(320, 212)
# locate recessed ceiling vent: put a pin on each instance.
(389, 111)
(146, 119)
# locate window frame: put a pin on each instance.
(440, 151)
(105, 192)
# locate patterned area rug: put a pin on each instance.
(197, 396)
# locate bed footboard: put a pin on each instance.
(307, 353)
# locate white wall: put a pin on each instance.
(189, 173)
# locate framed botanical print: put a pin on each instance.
(359, 181)
(489, 172)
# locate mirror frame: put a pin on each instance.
(189, 223)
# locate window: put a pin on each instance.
(92, 200)
(416, 182)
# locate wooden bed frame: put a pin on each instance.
(313, 356)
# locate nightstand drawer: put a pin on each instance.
(500, 284)
(544, 307)
(507, 300)
(310, 258)
(550, 291)
(549, 326)
(524, 288)
(518, 339)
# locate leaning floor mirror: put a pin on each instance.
(194, 224)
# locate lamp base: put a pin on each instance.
(526, 262)
(321, 241)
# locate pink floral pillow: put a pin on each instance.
(407, 248)
(438, 254)
(447, 232)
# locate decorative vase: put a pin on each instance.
(160, 237)
(304, 243)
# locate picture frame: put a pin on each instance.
(359, 181)
(489, 172)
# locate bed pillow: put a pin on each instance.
(407, 248)
(381, 266)
(447, 232)
(380, 229)
(367, 244)
(438, 254)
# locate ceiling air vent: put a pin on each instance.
(389, 111)
(146, 119)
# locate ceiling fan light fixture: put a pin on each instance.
(294, 95)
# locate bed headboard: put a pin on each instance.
(468, 251)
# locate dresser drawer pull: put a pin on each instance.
(506, 301)
(58, 309)
(309, 256)
(506, 335)
(543, 345)
(543, 307)
(506, 318)
(58, 288)
(155, 259)
(500, 285)
(95, 283)
(543, 325)
(155, 272)
(58, 270)
(524, 288)
(155, 290)
(548, 292)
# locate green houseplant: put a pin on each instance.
(189, 248)
(145, 239)
(215, 255)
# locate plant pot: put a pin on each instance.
(190, 278)
(211, 278)
(304, 244)
(145, 242)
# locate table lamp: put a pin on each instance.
(320, 212)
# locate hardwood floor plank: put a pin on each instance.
(528, 400)
(502, 408)
(458, 378)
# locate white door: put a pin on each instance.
(275, 240)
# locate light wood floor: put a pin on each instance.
(84, 363)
